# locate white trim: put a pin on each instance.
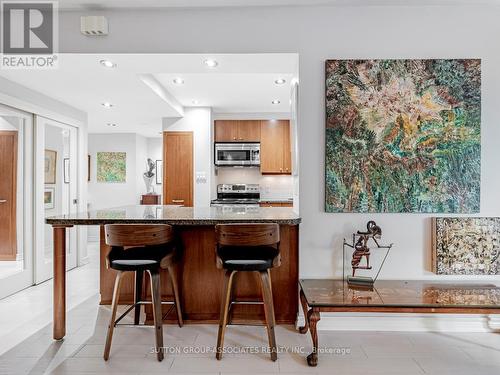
(406, 322)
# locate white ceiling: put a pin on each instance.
(233, 92)
(240, 83)
(102, 4)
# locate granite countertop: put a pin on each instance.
(178, 215)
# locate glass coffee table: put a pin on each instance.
(392, 296)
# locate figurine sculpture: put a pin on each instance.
(148, 177)
(361, 248)
(362, 251)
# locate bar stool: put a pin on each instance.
(140, 248)
(247, 248)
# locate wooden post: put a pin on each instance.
(59, 299)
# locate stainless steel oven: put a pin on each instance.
(237, 154)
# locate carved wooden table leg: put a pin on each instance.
(59, 298)
(313, 317)
(303, 302)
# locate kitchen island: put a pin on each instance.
(199, 280)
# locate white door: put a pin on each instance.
(56, 192)
(16, 200)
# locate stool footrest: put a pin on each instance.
(142, 303)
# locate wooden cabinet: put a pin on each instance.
(275, 148)
(249, 131)
(178, 168)
(237, 131)
(276, 204)
(147, 199)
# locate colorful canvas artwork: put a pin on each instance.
(466, 246)
(111, 166)
(403, 136)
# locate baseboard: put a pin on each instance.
(407, 322)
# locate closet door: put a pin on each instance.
(16, 215)
(57, 192)
(178, 168)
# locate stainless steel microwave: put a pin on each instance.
(237, 154)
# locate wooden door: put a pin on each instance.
(8, 190)
(178, 168)
(226, 131)
(271, 147)
(249, 131)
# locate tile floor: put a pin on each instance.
(26, 346)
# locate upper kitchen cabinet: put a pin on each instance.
(275, 148)
(237, 131)
(249, 131)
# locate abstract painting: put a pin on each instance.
(466, 246)
(403, 136)
(111, 166)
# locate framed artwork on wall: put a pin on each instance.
(66, 170)
(403, 136)
(48, 197)
(159, 172)
(50, 166)
(111, 166)
(466, 245)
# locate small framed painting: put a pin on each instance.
(66, 170)
(159, 172)
(50, 166)
(48, 197)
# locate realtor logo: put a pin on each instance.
(29, 31)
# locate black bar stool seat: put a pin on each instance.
(138, 258)
(241, 258)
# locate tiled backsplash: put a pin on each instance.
(271, 187)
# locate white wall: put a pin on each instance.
(155, 152)
(199, 121)
(317, 34)
(138, 149)
(107, 195)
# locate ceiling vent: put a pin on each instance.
(94, 25)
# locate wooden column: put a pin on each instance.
(59, 299)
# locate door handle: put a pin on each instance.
(177, 200)
(3, 200)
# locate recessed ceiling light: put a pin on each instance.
(195, 102)
(276, 102)
(111, 124)
(211, 63)
(178, 81)
(107, 104)
(280, 81)
(108, 63)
